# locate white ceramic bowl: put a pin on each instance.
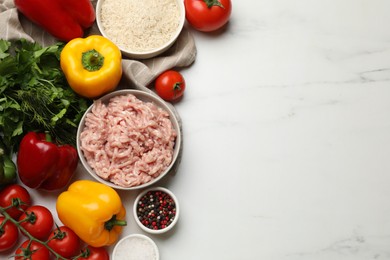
(136, 212)
(146, 97)
(136, 246)
(142, 54)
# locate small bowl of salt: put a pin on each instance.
(136, 247)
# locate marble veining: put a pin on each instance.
(292, 118)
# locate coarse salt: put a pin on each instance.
(136, 247)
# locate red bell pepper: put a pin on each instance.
(64, 19)
(44, 165)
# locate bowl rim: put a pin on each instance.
(159, 231)
(160, 103)
(122, 240)
(148, 53)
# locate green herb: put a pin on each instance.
(34, 94)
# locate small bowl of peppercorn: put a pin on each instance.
(156, 210)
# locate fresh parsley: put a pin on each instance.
(34, 94)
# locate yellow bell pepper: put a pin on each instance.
(92, 65)
(94, 211)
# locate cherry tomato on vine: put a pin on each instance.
(207, 15)
(9, 234)
(38, 221)
(12, 192)
(170, 85)
(65, 242)
(95, 253)
(33, 251)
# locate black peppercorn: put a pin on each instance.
(156, 209)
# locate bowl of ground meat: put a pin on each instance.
(141, 29)
(128, 139)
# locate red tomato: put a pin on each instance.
(38, 221)
(9, 234)
(170, 85)
(208, 15)
(65, 242)
(95, 253)
(12, 192)
(35, 251)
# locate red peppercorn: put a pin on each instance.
(155, 209)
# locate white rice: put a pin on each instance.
(140, 25)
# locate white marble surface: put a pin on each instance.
(287, 135)
(286, 121)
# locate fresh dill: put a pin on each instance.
(34, 94)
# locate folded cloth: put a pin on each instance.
(137, 74)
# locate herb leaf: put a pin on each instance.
(34, 94)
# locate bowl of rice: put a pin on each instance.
(128, 139)
(141, 29)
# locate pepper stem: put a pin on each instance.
(48, 137)
(114, 222)
(92, 60)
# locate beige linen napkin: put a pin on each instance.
(138, 74)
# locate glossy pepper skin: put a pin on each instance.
(64, 19)
(44, 165)
(94, 211)
(92, 65)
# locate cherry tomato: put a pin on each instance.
(96, 253)
(12, 192)
(9, 234)
(65, 242)
(38, 221)
(170, 85)
(207, 15)
(33, 251)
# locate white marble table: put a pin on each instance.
(286, 121)
(287, 135)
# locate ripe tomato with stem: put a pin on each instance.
(32, 250)
(170, 85)
(208, 15)
(38, 221)
(15, 198)
(65, 242)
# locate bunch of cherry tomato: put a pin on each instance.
(35, 222)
